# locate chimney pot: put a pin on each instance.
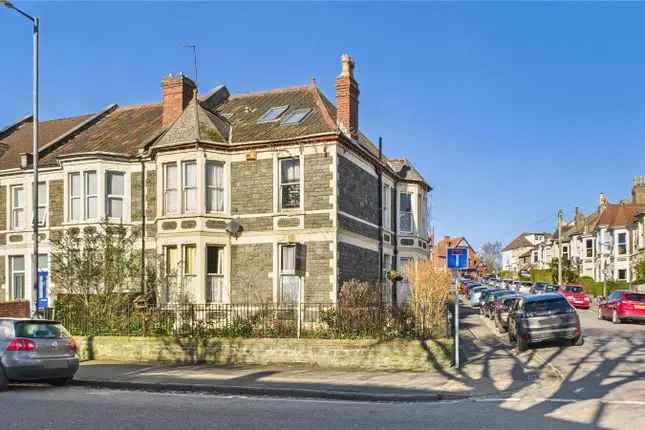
(177, 91)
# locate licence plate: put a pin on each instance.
(55, 364)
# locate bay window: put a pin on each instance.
(42, 204)
(214, 274)
(214, 187)
(405, 212)
(17, 267)
(17, 207)
(290, 183)
(622, 243)
(589, 247)
(74, 196)
(189, 186)
(292, 260)
(170, 188)
(387, 212)
(91, 195)
(115, 188)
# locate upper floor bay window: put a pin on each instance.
(170, 188)
(91, 195)
(74, 196)
(387, 212)
(17, 207)
(214, 187)
(290, 183)
(405, 212)
(42, 204)
(622, 243)
(189, 186)
(115, 191)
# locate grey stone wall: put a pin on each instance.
(257, 224)
(252, 187)
(356, 263)
(318, 220)
(136, 184)
(151, 194)
(357, 191)
(288, 222)
(3, 207)
(357, 227)
(250, 269)
(318, 284)
(317, 180)
(56, 200)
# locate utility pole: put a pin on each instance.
(560, 247)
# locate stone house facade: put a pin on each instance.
(273, 196)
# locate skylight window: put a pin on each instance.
(296, 116)
(272, 114)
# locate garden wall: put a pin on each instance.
(358, 354)
(17, 309)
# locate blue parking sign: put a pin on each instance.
(457, 258)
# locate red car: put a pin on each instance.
(576, 296)
(623, 305)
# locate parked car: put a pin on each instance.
(621, 306)
(483, 298)
(524, 287)
(543, 317)
(550, 288)
(36, 350)
(488, 307)
(502, 307)
(538, 288)
(576, 295)
(475, 294)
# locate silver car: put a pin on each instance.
(37, 351)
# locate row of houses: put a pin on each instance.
(271, 196)
(605, 244)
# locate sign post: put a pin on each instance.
(457, 259)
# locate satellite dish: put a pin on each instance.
(234, 228)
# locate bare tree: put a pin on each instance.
(491, 256)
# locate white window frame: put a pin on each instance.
(167, 191)
(14, 272)
(18, 209)
(619, 243)
(185, 189)
(87, 196)
(43, 222)
(215, 277)
(387, 207)
(111, 197)
(219, 167)
(410, 213)
(296, 182)
(288, 273)
(75, 197)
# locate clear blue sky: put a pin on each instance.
(509, 110)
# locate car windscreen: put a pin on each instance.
(509, 302)
(547, 307)
(40, 330)
(635, 297)
(576, 289)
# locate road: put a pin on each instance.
(603, 387)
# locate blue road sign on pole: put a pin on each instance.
(457, 258)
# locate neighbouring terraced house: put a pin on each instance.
(316, 200)
(606, 244)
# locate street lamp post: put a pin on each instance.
(35, 23)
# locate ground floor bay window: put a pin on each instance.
(17, 269)
(215, 274)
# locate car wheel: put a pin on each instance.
(58, 382)
(615, 318)
(521, 345)
(578, 341)
(4, 382)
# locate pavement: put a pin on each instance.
(491, 369)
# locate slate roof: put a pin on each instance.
(519, 242)
(18, 139)
(124, 130)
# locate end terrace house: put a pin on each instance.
(254, 197)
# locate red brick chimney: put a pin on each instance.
(177, 91)
(347, 97)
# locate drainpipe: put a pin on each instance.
(395, 238)
(379, 171)
(143, 225)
